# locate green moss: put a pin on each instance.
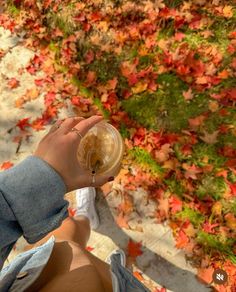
(145, 159)
(165, 108)
(83, 90)
(124, 131)
(173, 3)
(106, 67)
(175, 186)
(203, 151)
(62, 22)
(99, 104)
(210, 241)
(231, 177)
(212, 186)
(229, 206)
(195, 217)
(12, 9)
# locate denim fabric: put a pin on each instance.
(31, 203)
(32, 263)
(122, 279)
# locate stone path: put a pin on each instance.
(161, 263)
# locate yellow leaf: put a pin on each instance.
(228, 11)
(213, 106)
(140, 87)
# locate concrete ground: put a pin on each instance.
(161, 264)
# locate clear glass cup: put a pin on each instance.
(101, 150)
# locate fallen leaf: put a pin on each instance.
(122, 221)
(181, 239)
(213, 106)
(233, 189)
(191, 171)
(134, 248)
(209, 228)
(175, 204)
(188, 95)
(89, 248)
(228, 11)
(230, 221)
(210, 138)
(138, 276)
(205, 274)
(22, 124)
(13, 83)
(7, 164)
(197, 121)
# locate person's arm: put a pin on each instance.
(31, 203)
(31, 193)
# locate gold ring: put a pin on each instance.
(93, 179)
(77, 132)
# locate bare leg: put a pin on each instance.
(71, 264)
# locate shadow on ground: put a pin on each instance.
(160, 270)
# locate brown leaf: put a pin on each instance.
(210, 138)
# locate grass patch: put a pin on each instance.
(83, 90)
(210, 241)
(165, 108)
(195, 217)
(106, 67)
(229, 206)
(144, 159)
(12, 9)
(124, 131)
(207, 153)
(212, 186)
(175, 186)
(98, 103)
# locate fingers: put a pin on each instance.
(84, 126)
(68, 124)
(55, 126)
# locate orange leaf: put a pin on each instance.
(13, 83)
(89, 248)
(205, 274)
(197, 121)
(22, 124)
(230, 221)
(5, 165)
(138, 276)
(122, 221)
(134, 248)
(228, 11)
(182, 239)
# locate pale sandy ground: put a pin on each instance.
(161, 263)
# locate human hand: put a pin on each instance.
(59, 149)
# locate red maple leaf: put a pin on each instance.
(160, 290)
(122, 221)
(134, 248)
(5, 165)
(71, 212)
(49, 98)
(181, 240)
(209, 228)
(205, 274)
(13, 83)
(89, 56)
(22, 124)
(89, 248)
(175, 204)
(38, 124)
(233, 189)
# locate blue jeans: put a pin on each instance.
(26, 268)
